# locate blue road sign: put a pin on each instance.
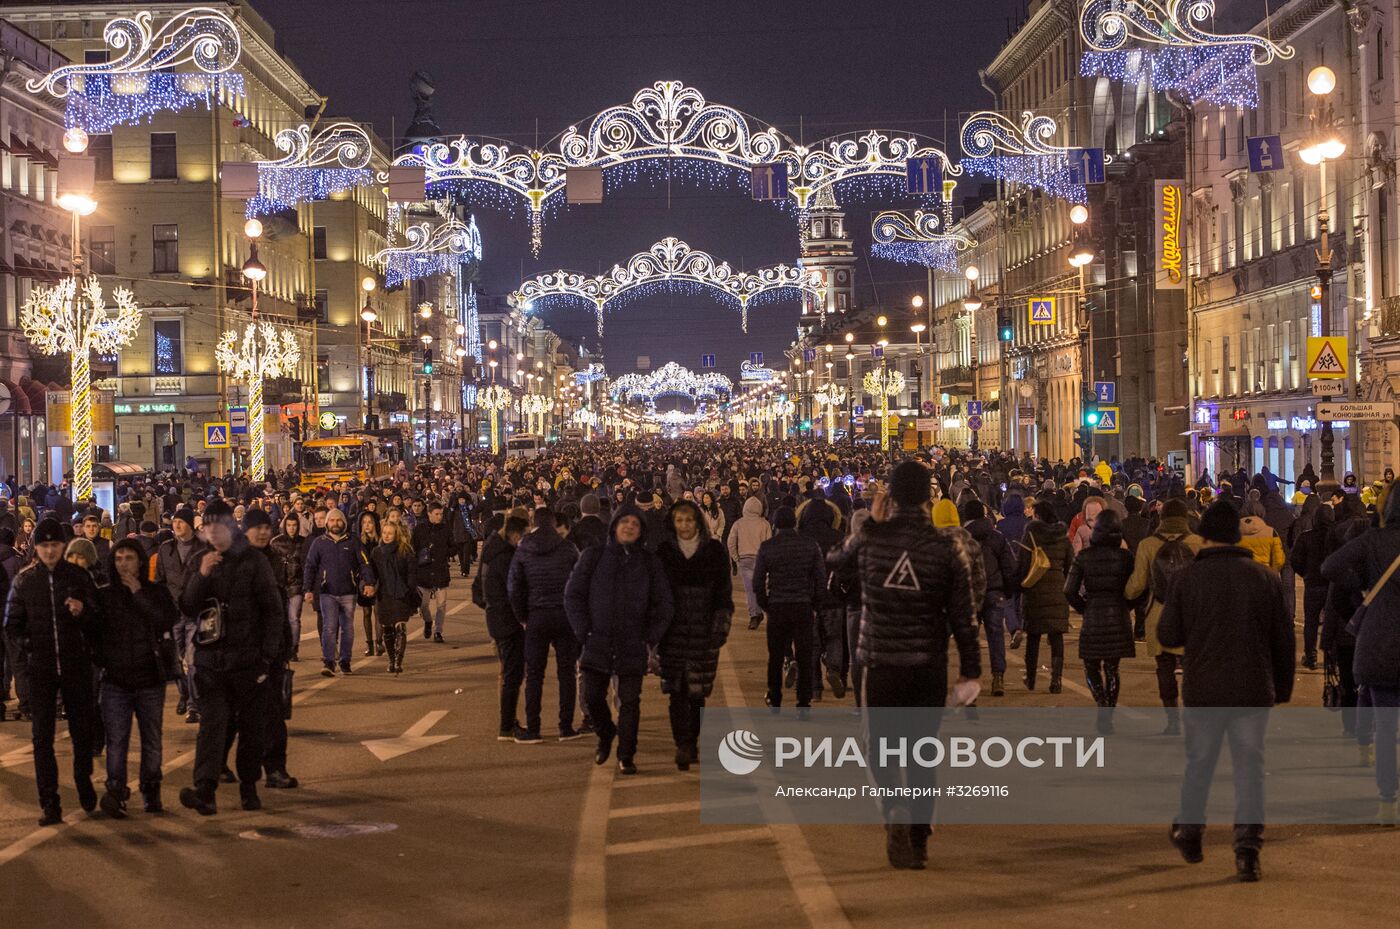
(877, 351)
(1265, 153)
(924, 175)
(769, 181)
(1106, 391)
(809, 354)
(707, 361)
(859, 410)
(1108, 421)
(1042, 311)
(974, 408)
(974, 422)
(216, 435)
(238, 420)
(756, 358)
(1086, 165)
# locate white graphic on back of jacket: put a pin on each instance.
(902, 576)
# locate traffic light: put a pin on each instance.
(1005, 332)
(427, 361)
(295, 423)
(1089, 421)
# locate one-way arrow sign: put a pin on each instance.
(412, 740)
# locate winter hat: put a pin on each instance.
(1174, 509)
(83, 548)
(256, 517)
(644, 498)
(1221, 524)
(48, 530)
(149, 527)
(971, 509)
(945, 514)
(589, 505)
(785, 518)
(217, 509)
(185, 513)
(909, 484)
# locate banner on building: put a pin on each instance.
(59, 414)
(1169, 202)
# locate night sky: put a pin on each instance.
(812, 68)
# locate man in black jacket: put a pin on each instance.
(176, 561)
(505, 629)
(590, 529)
(240, 637)
(916, 591)
(538, 573)
(789, 576)
(257, 524)
(1228, 613)
(432, 541)
(48, 616)
(1000, 565)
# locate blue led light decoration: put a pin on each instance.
(918, 240)
(140, 79)
(473, 324)
(994, 146)
(432, 249)
(670, 380)
(1199, 65)
(669, 265)
(336, 158)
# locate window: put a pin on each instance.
(168, 350)
(165, 249)
(1222, 138)
(102, 250)
(100, 148)
(318, 241)
(323, 374)
(321, 302)
(163, 161)
(1380, 54)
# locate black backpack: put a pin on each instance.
(1171, 558)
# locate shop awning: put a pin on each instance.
(1234, 432)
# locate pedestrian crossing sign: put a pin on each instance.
(216, 435)
(1042, 311)
(1108, 421)
(1327, 357)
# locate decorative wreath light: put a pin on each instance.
(335, 159)
(669, 265)
(1197, 64)
(671, 379)
(994, 146)
(594, 372)
(263, 351)
(139, 80)
(918, 240)
(884, 383)
(432, 249)
(493, 399)
(831, 395)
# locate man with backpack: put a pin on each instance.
(1160, 559)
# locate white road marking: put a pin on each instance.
(588, 884)
(414, 738)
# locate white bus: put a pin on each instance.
(524, 446)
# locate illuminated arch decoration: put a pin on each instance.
(994, 146)
(1199, 65)
(139, 80)
(918, 240)
(665, 121)
(669, 265)
(670, 380)
(335, 159)
(594, 372)
(433, 249)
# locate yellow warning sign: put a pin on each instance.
(1327, 357)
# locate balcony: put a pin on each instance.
(954, 380)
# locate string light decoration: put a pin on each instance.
(708, 142)
(750, 373)
(670, 380)
(493, 399)
(473, 324)
(533, 407)
(261, 352)
(594, 372)
(831, 397)
(440, 249)
(71, 318)
(336, 158)
(669, 265)
(139, 80)
(883, 383)
(996, 147)
(1199, 65)
(918, 240)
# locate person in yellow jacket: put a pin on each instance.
(1150, 580)
(1260, 538)
(1104, 472)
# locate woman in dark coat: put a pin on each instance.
(365, 542)
(396, 596)
(1044, 609)
(698, 568)
(1095, 589)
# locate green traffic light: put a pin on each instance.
(1091, 418)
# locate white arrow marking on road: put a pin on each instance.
(412, 740)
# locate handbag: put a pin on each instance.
(1354, 624)
(1331, 687)
(209, 625)
(1040, 563)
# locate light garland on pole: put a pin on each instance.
(335, 159)
(996, 147)
(493, 399)
(263, 351)
(139, 80)
(440, 249)
(883, 383)
(1199, 65)
(71, 318)
(668, 265)
(534, 406)
(783, 408)
(918, 240)
(831, 397)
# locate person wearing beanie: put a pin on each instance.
(916, 593)
(175, 562)
(590, 529)
(1227, 613)
(538, 574)
(789, 577)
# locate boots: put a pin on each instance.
(1057, 669)
(998, 684)
(182, 686)
(1030, 675)
(1093, 677)
(1173, 721)
(1112, 681)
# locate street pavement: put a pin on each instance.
(435, 823)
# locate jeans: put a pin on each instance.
(434, 607)
(828, 645)
(294, 605)
(231, 699)
(746, 575)
(542, 632)
(1377, 719)
(118, 706)
(994, 609)
(183, 633)
(75, 685)
(901, 687)
(629, 711)
(1206, 729)
(790, 625)
(337, 620)
(1011, 613)
(511, 652)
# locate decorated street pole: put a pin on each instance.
(832, 397)
(883, 383)
(783, 410)
(263, 351)
(493, 399)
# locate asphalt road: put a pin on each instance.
(468, 831)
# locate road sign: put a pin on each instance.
(216, 435)
(859, 410)
(1108, 421)
(928, 408)
(1025, 415)
(1265, 153)
(926, 424)
(769, 181)
(1329, 388)
(1086, 166)
(809, 354)
(877, 351)
(925, 175)
(974, 421)
(1327, 357)
(238, 420)
(707, 361)
(1106, 391)
(756, 358)
(1381, 410)
(327, 421)
(974, 407)
(1042, 311)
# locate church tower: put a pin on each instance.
(828, 253)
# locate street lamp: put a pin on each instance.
(1325, 145)
(1080, 256)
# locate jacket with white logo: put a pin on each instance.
(916, 590)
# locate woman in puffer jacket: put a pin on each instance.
(1095, 588)
(1261, 540)
(698, 569)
